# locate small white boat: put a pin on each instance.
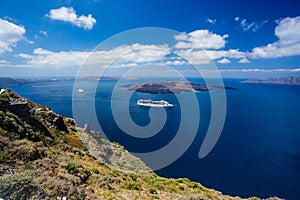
(80, 90)
(149, 102)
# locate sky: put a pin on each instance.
(250, 38)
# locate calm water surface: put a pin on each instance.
(258, 153)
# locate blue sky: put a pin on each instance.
(243, 38)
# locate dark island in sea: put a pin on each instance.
(289, 80)
(168, 87)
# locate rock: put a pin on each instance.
(87, 129)
(59, 124)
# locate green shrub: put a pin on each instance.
(95, 170)
(254, 198)
(181, 187)
(158, 185)
(72, 168)
(114, 173)
(133, 176)
(133, 186)
(172, 188)
(152, 191)
(5, 155)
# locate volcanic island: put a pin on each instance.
(168, 87)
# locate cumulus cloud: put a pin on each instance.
(236, 18)
(145, 53)
(44, 33)
(224, 61)
(244, 60)
(176, 62)
(69, 15)
(203, 46)
(10, 34)
(207, 56)
(211, 21)
(288, 43)
(123, 56)
(4, 62)
(252, 26)
(200, 39)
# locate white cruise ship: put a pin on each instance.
(149, 102)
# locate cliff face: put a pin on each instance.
(45, 156)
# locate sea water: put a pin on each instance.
(258, 152)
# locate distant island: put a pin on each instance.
(6, 82)
(289, 80)
(168, 87)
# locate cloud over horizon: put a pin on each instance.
(200, 39)
(123, 56)
(224, 61)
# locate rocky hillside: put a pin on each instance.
(45, 156)
(289, 80)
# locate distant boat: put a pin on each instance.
(80, 90)
(149, 102)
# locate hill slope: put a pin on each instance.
(6, 82)
(45, 156)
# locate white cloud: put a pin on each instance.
(196, 56)
(41, 34)
(244, 60)
(123, 56)
(4, 62)
(145, 53)
(288, 30)
(69, 15)
(200, 39)
(176, 62)
(288, 43)
(224, 61)
(252, 26)
(40, 51)
(121, 65)
(10, 34)
(207, 56)
(203, 46)
(261, 70)
(44, 33)
(233, 53)
(211, 21)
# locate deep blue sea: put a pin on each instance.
(258, 153)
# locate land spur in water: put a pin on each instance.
(170, 87)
